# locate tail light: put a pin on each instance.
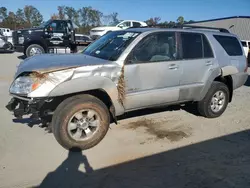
(246, 65)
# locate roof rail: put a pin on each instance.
(223, 30)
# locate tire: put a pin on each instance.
(68, 109)
(204, 106)
(38, 48)
(10, 47)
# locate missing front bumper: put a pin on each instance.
(22, 107)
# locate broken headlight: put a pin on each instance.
(23, 85)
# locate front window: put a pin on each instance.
(156, 47)
(44, 24)
(111, 45)
(125, 24)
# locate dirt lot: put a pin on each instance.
(167, 147)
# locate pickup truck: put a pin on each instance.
(53, 36)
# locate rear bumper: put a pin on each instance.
(239, 79)
(18, 48)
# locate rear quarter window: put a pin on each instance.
(230, 44)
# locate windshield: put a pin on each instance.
(111, 45)
(113, 23)
(44, 24)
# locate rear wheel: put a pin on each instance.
(34, 49)
(80, 122)
(215, 101)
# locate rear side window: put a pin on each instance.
(230, 44)
(191, 46)
(136, 24)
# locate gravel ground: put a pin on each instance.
(167, 147)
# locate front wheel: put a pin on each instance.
(215, 101)
(81, 122)
(34, 49)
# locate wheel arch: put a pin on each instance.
(98, 86)
(221, 75)
(35, 42)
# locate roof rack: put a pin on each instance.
(223, 30)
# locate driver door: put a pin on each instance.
(57, 34)
(152, 72)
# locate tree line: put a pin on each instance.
(85, 18)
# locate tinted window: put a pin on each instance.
(191, 46)
(136, 24)
(154, 48)
(230, 44)
(244, 44)
(248, 44)
(207, 48)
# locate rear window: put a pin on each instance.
(230, 44)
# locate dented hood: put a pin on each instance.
(50, 62)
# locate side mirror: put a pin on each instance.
(49, 29)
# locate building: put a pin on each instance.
(239, 25)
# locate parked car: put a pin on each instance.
(124, 71)
(83, 39)
(125, 24)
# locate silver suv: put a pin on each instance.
(124, 71)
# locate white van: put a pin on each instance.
(246, 46)
(6, 32)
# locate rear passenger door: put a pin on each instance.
(197, 60)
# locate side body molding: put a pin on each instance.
(90, 83)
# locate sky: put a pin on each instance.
(142, 10)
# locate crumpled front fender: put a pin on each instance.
(90, 83)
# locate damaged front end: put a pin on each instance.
(30, 92)
(38, 92)
(21, 106)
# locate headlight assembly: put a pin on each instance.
(23, 85)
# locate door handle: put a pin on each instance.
(208, 63)
(173, 66)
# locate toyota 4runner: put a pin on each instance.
(124, 71)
